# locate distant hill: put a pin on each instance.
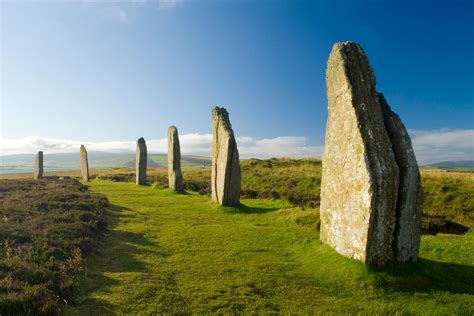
(454, 164)
(97, 159)
(150, 163)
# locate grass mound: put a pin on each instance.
(46, 228)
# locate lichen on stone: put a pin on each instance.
(361, 178)
(175, 176)
(225, 171)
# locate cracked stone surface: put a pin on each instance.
(370, 200)
(410, 193)
(175, 176)
(225, 174)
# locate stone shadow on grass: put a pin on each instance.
(183, 192)
(118, 251)
(432, 225)
(244, 209)
(120, 248)
(425, 276)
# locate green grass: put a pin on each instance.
(295, 180)
(180, 253)
(450, 197)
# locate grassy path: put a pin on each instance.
(179, 253)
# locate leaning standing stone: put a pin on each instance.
(360, 175)
(175, 177)
(84, 163)
(225, 174)
(141, 158)
(38, 173)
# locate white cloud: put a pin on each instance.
(244, 139)
(191, 144)
(32, 144)
(122, 15)
(429, 146)
(443, 145)
(284, 146)
(139, 2)
(169, 4)
(127, 11)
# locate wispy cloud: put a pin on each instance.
(122, 15)
(429, 146)
(443, 145)
(191, 144)
(284, 146)
(127, 11)
(139, 2)
(169, 4)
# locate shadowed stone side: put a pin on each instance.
(360, 175)
(141, 157)
(38, 173)
(84, 163)
(410, 194)
(175, 177)
(225, 174)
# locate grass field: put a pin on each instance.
(180, 253)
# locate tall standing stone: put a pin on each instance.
(38, 173)
(175, 177)
(84, 163)
(225, 174)
(141, 163)
(361, 184)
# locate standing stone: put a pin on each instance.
(141, 163)
(38, 173)
(225, 175)
(371, 194)
(84, 163)
(410, 192)
(175, 177)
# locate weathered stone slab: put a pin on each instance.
(38, 173)
(371, 194)
(141, 161)
(225, 174)
(360, 176)
(84, 163)
(175, 177)
(410, 193)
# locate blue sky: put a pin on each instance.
(102, 71)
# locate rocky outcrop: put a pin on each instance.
(38, 172)
(361, 175)
(225, 174)
(175, 177)
(141, 157)
(84, 163)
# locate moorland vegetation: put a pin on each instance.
(46, 229)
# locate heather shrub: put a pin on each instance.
(47, 227)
